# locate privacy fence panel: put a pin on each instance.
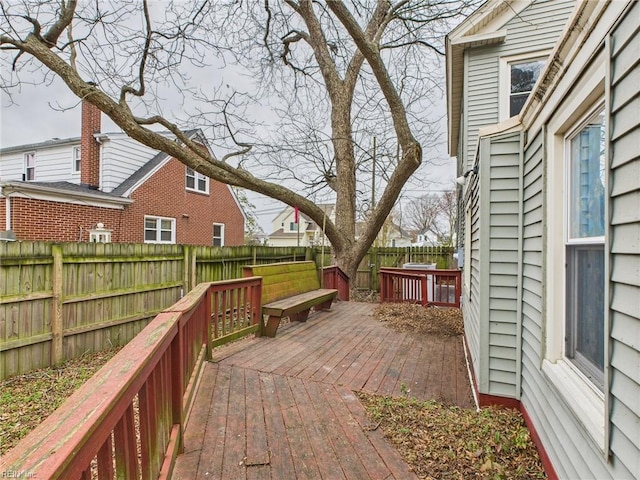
(25, 309)
(58, 301)
(111, 291)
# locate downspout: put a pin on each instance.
(100, 161)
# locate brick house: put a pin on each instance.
(109, 187)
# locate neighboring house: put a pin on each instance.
(108, 187)
(426, 239)
(390, 235)
(305, 233)
(551, 222)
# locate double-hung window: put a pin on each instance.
(584, 244)
(196, 181)
(75, 160)
(159, 230)
(518, 76)
(30, 166)
(218, 234)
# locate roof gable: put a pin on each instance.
(482, 27)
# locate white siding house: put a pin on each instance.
(551, 230)
(289, 233)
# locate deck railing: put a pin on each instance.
(127, 420)
(334, 277)
(424, 287)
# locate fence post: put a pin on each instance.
(56, 307)
(185, 270)
(193, 257)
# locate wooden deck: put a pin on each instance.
(284, 407)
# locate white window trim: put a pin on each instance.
(24, 160)
(158, 219)
(504, 82)
(221, 233)
(196, 177)
(75, 149)
(570, 383)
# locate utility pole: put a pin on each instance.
(373, 177)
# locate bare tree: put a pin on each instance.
(341, 73)
(433, 213)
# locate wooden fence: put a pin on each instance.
(58, 301)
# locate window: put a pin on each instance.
(518, 76)
(30, 166)
(293, 226)
(197, 181)
(159, 230)
(75, 160)
(585, 275)
(218, 234)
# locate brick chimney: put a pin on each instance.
(89, 147)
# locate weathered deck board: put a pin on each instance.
(284, 407)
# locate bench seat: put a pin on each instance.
(290, 289)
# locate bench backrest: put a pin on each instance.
(282, 280)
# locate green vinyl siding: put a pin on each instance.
(624, 244)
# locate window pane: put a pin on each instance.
(586, 202)
(165, 224)
(202, 184)
(524, 75)
(585, 332)
(165, 236)
(150, 235)
(516, 102)
(217, 230)
(191, 178)
(150, 223)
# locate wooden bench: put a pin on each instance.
(289, 289)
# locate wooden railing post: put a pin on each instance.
(424, 294)
(256, 303)
(208, 320)
(177, 380)
(56, 307)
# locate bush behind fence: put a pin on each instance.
(58, 301)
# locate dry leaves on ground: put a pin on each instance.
(26, 400)
(448, 442)
(409, 317)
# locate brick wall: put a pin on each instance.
(89, 147)
(163, 195)
(60, 222)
